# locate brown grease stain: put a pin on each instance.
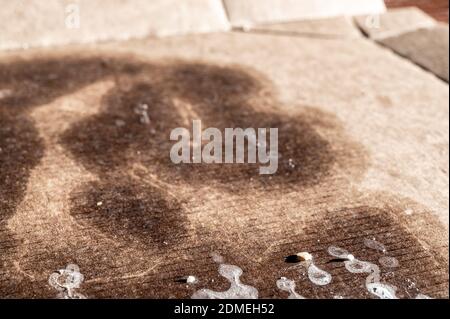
(133, 210)
(26, 84)
(420, 270)
(20, 151)
(221, 97)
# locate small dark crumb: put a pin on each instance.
(182, 280)
(336, 260)
(292, 259)
(187, 280)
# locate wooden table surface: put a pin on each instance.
(436, 8)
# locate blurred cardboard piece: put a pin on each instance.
(394, 22)
(249, 12)
(336, 27)
(412, 34)
(36, 23)
(427, 47)
(54, 22)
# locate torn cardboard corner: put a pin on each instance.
(53, 22)
(250, 12)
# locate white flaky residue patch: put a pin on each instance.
(191, 280)
(388, 262)
(305, 256)
(66, 281)
(237, 289)
(217, 258)
(353, 265)
(338, 252)
(357, 266)
(382, 291)
(373, 244)
(289, 286)
(316, 275)
(142, 111)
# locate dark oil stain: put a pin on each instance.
(111, 141)
(336, 260)
(292, 259)
(21, 149)
(40, 80)
(26, 84)
(222, 97)
(131, 211)
(175, 93)
(181, 280)
(420, 270)
(49, 257)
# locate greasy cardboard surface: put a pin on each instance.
(84, 181)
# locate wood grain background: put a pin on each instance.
(436, 8)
